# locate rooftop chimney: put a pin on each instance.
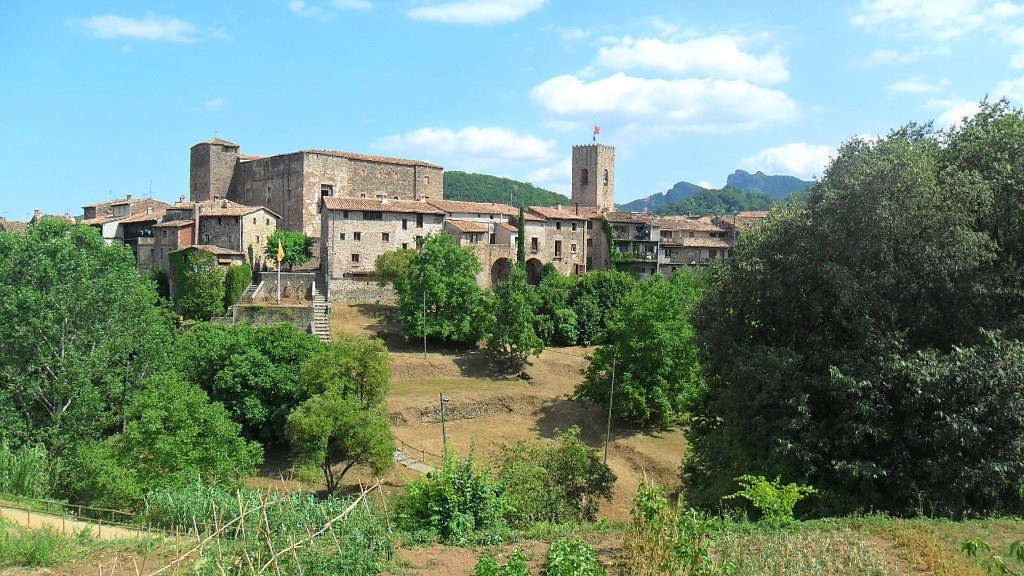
(128, 197)
(149, 209)
(577, 206)
(181, 199)
(558, 206)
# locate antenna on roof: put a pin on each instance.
(150, 188)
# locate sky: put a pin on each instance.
(104, 99)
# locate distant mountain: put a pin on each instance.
(725, 201)
(485, 188)
(761, 183)
(776, 187)
(681, 191)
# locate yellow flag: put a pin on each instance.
(280, 251)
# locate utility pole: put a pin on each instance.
(611, 395)
(444, 432)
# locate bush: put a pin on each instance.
(32, 547)
(24, 471)
(774, 500)
(236, 280)
(488, 566)
(573, 558)
(554, 482)
(454, 501)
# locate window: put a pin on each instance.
(257, 239)
(584, 177)
(426, 180)
(494, 238)
(405, 223)
(268, 193)
(163, 233)
(355, 258)
(362, 195)
(326, 190)
(605, 177)
(572, 248)
(206, 238)
(254, 220)
(419, 220)
(573, 226)
(268, 221)
(357, 236)
(533, 244)
(344, 213)
(385, 237)
(590, 225)
(373, 215)
(558, 248)
(558, 225)
(405, 245)
(590, 242)
(218, 221)
(342, 236)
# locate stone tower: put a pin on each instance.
(211, 169)
(593, 175)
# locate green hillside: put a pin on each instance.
(724, 201)
(486, 188)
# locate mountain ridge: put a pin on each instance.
(775, 186)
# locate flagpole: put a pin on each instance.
(279, 282)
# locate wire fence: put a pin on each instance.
(413, 451)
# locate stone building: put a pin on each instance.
(355, 231)
(292, 184)
(593, 176)
(13, 226)
(559, 238)
(128, 221)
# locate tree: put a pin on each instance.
(201, 290)
(252, 370)
(657, 372)
(393, 267)
(298, 248)
(174, 436)
(511, 336)
(845, 343)
(343, 420)
(236, 280)
(552, 307)
(595, 298)
(456, 308)
(81, 329)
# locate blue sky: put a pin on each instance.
(103, 99)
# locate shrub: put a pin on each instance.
(774, 500)
(32, 547)
(454, 501)
(24, 471)
(573, 558)
(236, 280)
(488, 566)
(553, 482)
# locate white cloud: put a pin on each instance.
(886, 56)
(797, 159)
(569, 34)
(1012, 89)
(490, 144)
(716, 56)
(668, 105)
(916, 85)
(327, 12)
(476, 12)
(705, 184)
(951, 110)
(352, 4)
(936, 20)
(215, 104)
(149, 28)
(299, 7)
(557, 177)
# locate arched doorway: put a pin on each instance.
(533, 268)
(500, 270)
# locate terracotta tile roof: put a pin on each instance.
(467, 226)
(154, 216)
(507, 226)
(217, 250)
(222, 207)
(100, 220)
(216, 140)
(173, 224)
(752, 214)
(555, 213)
(619, 217)
(368, 158)
(367, 205)
(686, 223)
(698, 243)
(464, 207)
(14, 226)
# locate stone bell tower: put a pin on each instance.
(593, 175)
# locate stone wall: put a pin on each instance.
(223, 231)
(342, 258)
(276, 183)
(256, 228)
(593, 175)
(351, 291)
(211, 170)
(301, 316)
(297, 284)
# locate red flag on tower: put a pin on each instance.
(597, 130)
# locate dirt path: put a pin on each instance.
(66, 525)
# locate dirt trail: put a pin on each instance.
(69, 526)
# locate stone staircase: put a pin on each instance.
(321, 312)
(247, 296)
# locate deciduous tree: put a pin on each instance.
(298, 248)
(511, 337)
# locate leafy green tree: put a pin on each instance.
(236, 280)
(343, 420)
(81, 329)
(456, 308)
(725, 201)
(560, 481)
(485, 188)
(252, 370)
(844, 344)
(595, 298)
(298, 248)
(552, 304)
(657, 371)
(511, 336)
(174, 435)
(393, 267)
(201, 290)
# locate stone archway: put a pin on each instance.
(500, 270)
(533, 268)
